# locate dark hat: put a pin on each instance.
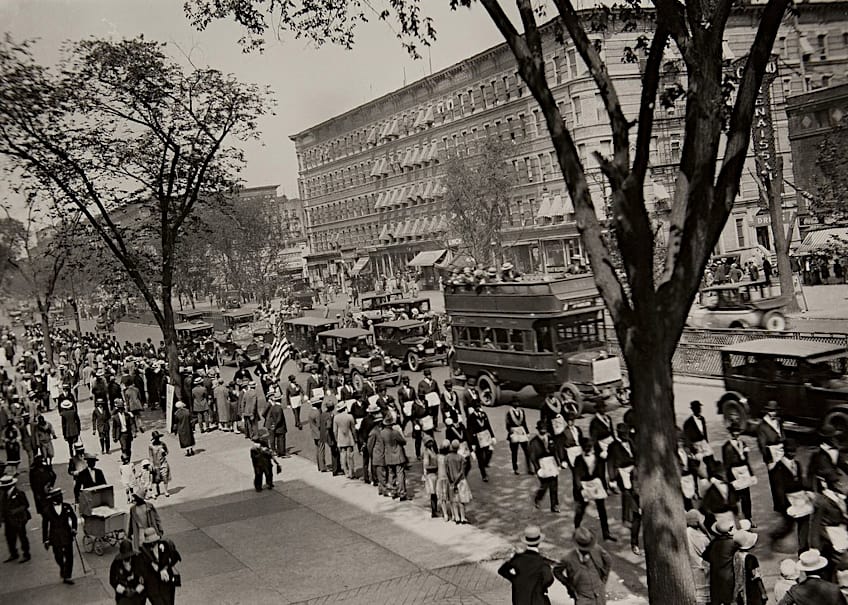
(388, 420)
(585, 442)
(54, 493)
(428, 372)
(827, 431)
(790, 445)
(91, 457)
(540, 425)
(622, 428)
(601, 406)
(584, 538)
(125, 550)
(471, 381)
(448, 383)
(734, 427)
(695, 403)
(155, 435)
(571, 415)
(771, 406)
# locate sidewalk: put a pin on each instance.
(314, 539)
(824, 302)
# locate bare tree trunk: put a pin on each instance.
(664, 525)
(784, 267)
(44, 314)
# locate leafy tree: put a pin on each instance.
(831, 200)
(649, 315)
(133, 142)
(477, 195)
(11, 236)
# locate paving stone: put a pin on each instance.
(227, 513)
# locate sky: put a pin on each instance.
(310, 84)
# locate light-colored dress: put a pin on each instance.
(158, 454)
(430, 461)
(443, 490)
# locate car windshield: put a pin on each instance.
(709, 298)
(413, 332)
(820, 374)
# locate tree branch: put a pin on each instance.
(647, 105)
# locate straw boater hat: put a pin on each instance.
(341, 406)
(198, 380)
(722, 526)
(533, 536)
(811, 560)
(745, 540)
(7, 481)
(66, 404)
(372, 408)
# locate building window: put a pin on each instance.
(600, 111)
(826, 78)
(529, 163)
(581, 153)
(822, 46)
(572, 62)
(507, 91)
(578, 110)
(519, 85)
(674, 147)
(539, 120)
(740, 232)
(605, 147)
(509, 129)
(522, 121)
(483, 97)
(652, 150)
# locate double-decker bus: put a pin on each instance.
(547, 334)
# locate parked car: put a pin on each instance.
(407, 342)
(370, 303)
(302, 333)
(352, 352)
(732, 306)
(193, 330)
(807, 378)
(412, 308)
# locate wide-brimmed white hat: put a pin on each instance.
(811, 560)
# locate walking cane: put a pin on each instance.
(79, 551)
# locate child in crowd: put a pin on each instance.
(126, 471)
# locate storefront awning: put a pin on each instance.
(418, 157)
(545, 210)
(384, 233)
(433, 153)
(358, 266)
(419, 120)
(428, 258)
(821, 240)
(726, 52)
(372, 136)
(459, 263)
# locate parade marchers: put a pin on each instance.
(365, 433)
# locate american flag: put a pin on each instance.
(280, 354)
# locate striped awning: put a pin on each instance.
(545, 210)
(433, 153)
(419, 120)
(372, 136)
(407, 159)
(384, 233)
(428, 258)
(821, 240)
(428, 116)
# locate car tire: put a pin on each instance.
(357, 381)
(490, 392)
(774, 321)
(568, 390)
(734, 413)
(839, 421)
(412, 361)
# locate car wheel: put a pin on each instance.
(774, 321)
(490, 392)
(734, 413)
(357, 381)
(569, 391)
(839, 422)
(412, 361)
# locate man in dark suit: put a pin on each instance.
(345, 391)
(91, 476)
(275, 423)
(719, 554)
(734, 454)
(585, 570)
(541, 446)
(471, 396)
(828, 511)
(786, 478)
(426, 386)
(588, 466)
(695, 426)
(14, 513)
(406, 398)
(123, 428)
(825, 460)
(528, 572)
(622, 461)
(719, 497)
(813, 589)
(58, 528)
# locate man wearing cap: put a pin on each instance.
(88, 478)
(529, 574)
(123, 428)
(71, 427)
(585, 570)
(426, 386)
(344, 431)
(58, 529)
(786, 477)
(158, 558)
(14, 512)
(813, 589)
(719, 554)
(695, 429)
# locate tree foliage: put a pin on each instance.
(649, 314)
(132, 141)
(477, 196)
(830, 202)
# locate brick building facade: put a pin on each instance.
(370, 178)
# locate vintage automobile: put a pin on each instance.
(410, 307)
(304, 298)
(807, 378)
(196, 329)
(351, 351)
(189, 315)
(370, 303)
(15, 317)
(302, 333)
(407, 342)
(549, 334)
(733, 306)
(235, 339)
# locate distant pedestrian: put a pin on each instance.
(158, 453)
(183, 428)
(395, 456)
(123, 428)
(275, 425)
(544, 463)
(314, 420)
(14, 512)
(142, 515)
(221, 397)
(42, 477)
(100, 420)
(518, 434)
(262, 459)
(71, 427)
(158, 558)
(58, 531)
(44, 436)
(529, 574)
(125, 576)
(585, 570)
(430, 465)
(459, 490)
(697, 541)
(767, 271)
(749, 587)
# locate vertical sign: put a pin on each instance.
(169, 407)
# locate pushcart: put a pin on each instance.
(103, 524)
